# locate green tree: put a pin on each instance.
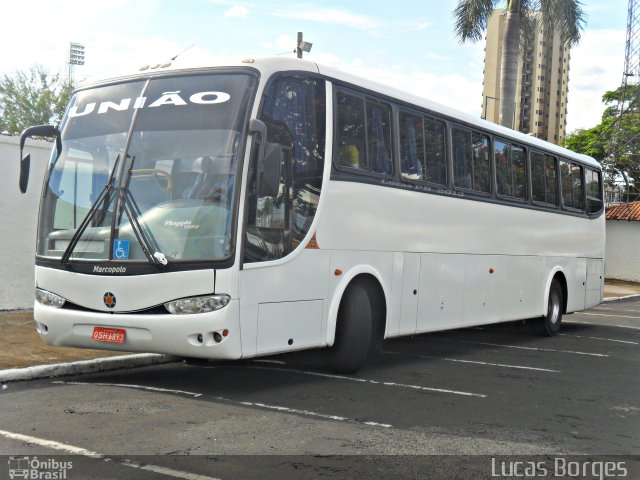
(615, 141)
(563, 16)
(32, 98)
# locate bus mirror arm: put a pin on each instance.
(25, 161)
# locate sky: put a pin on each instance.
(408, 44)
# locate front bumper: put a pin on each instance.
(181, 335)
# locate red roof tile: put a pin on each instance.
(624, 211)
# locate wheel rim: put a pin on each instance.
(553, 312)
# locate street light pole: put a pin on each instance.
(486, 98)
(302, 46)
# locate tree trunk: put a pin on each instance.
(509, 68)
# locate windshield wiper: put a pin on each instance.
(146, 241)
(105, 195)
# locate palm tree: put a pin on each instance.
(471, 18)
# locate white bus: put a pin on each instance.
(270, 205)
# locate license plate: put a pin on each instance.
(110, 335)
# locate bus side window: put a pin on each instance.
(351, 132)
(462, 158)
(502, 152)
(436, 158)
(551, 176)
(578, 186)
(411, 147)
(594, 191)
(481, 163)
(572, 188)
(510, 170)
(544, 172)
(379, 137)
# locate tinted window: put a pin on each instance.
(351, 134)
(462, 160)
(481, 163)
(364, 134)
(412, 147)
(471, 165)
(572, 188)
(543, 178)
(295, 114)
(379, 137)
(435, 152)
(594, 191)
(422, 149)
(510, 170)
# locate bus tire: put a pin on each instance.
(549, 324)
(353, 331)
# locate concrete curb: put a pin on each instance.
(613, 299)
(83, 366)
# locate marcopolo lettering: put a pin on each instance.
(167, 98)
(101, 269)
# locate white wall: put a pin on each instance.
(622, 260)
(18, 216)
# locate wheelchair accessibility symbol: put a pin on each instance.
(121, 249)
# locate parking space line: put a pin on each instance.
(520, 347)
(599, 338)
(171, 472)
(228, 400)
(374, 382)
(129, 385)
(312, 414)
(616, 309)
(573, 322)
(606, 315)
(475, 362)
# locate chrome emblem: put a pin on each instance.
(109, 300)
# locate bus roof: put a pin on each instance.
(270, 65)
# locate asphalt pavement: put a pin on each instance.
(493, 390)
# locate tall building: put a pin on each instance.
(543, 82)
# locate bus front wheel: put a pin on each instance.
(549, 324)
(354, 331)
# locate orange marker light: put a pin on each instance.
(313, 244)
(337, 272)
(225, 332)
(491, 270)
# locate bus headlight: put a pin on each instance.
(208, 303)
(49, 299)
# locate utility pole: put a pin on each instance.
(299, 45)
(630, 82)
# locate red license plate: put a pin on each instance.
(110, 335)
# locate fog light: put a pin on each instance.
(208, 303)
(49, 299)
(217, 337)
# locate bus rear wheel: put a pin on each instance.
(549, 325)
(354, 331)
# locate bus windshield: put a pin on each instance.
(147, 163)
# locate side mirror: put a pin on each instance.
(259, 127)
(25, 162)
(25, 166)
(269, 177)
(269, 162)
